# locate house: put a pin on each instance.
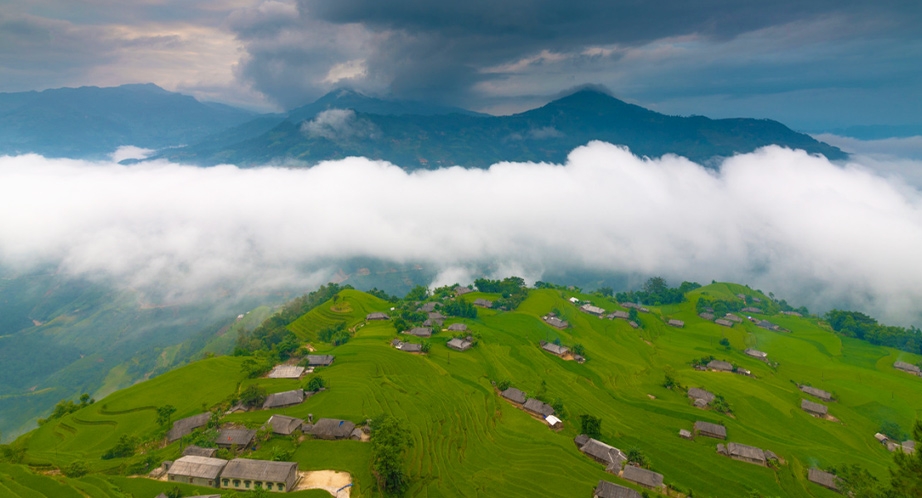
(514, 395)
(427, 307)
(767, 325)
(685, 434)
(755, 353)
(581, 440)
(725, 323)
(433, 322)
(377, 316)
(706, 315)
(319, 360)
(420, 332)
(186, 425)
(460, 291)
(240, 438)
(553, 422)
(193, 450)
(244, 474)
(556, 349)
(819, 393)
(538, 408)
(791, 313)
(710, 430)
(286, 372)
(633, 324)
(592, 310)
(882, 439)
(574, 300)
(555, 322)
(733, 318)
(743, 453)
(283, 399)
(483, 303)
(457, 327)
(459, 344)
(607, 489)
(750, 309)
(907, 367)
(630, 305)
(407, 347)
(906, 446)
(331, 428)
(609, 455)
(283, 424)
(824, 479)
(697, 394)
(720, 366)
(196, 470)
(619, 314)
(676, 323)
(643, 477)
(812, 408)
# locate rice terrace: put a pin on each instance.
(726, 392)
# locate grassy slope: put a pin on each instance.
(469, 442)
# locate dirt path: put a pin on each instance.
(328, 480)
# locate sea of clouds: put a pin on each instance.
(815, 233)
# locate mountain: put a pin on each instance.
(468, 440)
(91, 122)
(350, 99)
(549, 133)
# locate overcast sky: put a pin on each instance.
(817, 65)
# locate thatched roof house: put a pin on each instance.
(755, 353)
(685, 434)
(643, 477)
(607, 489)
(592, 310)
(514, 395)
(813, 408)
(283, 399)
(733, 318)
(427, 307)
(819, 393)
(906, 367)
(283, 424)
(320, 360)
(241, 438)
(604, 453)
(555, 322)
(409, 347)
(193, 450)
(459, 344)
(696, 393)
(767, 325)
(676, 323)
(246, 474)
(286, 372)
(619, 314)
(580, 440)
(461, 290)
(706, 315)
(743, 453)
(539, 408)
(377, 316)
(331, 428)
(420, 332)
(824, 479)
(186, 425)
(483, 303)
(457, 327)
(196, 470)
(556, 349)
(710, 430)
(725, 323)
(720, 366)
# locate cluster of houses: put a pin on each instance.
(534, 406)
(905, 446)
(727, 320)
(614, 460)
(240, 474)
(700, 397)
(622, 315)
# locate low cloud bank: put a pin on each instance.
(814, 232)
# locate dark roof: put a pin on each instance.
(535, 406)
(619, 314)
(420, 332)
(698, 393)
(283, 424)
(720, 365)
(556, 349)
(427, 307)
(320, 360)
(513, 394)
(409, 347)
(604, 452)
(459, 290)
(186, 425)
(810, 406)
(239, 437)
(258, 470)
(287, 398)
(581, 440)
(197, 466)
(706, 316)
(331, 428)
(709, 429)
(377, 316)
(819, 393)
(553, 321)
(822, 478)
(607, 489)
(643, 477)
(457, 327)
(744, 451)
(483, 303)
(193, 450)
(725, 323)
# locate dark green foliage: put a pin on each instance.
(590, 426)
(315, 383)
(720, 404)
(861, 326)
(893, 431)
(578, 349)
(174, 493)
(253, 395)
(203, 438)
(512, 290)
(125, 447)
(703, 361)
(670, 382)
(418, 293)
(606, 291)
(857, 482)
(503, 385)
(657, 292)
(906, 478)
(557, 405)
(460, 308)
(258, 364)
(75, 469)
(66, 406)
(389, 442)
(281, 454)
(425, 346)
(634, 316)
(335, 335)
(383, 295)
(165, 415)
(725, 342)
(637, 457)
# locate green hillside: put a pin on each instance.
(467, 441)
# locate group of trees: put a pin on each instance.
(905, 476)
(512, 290)
(389, 442)
(861, 326)
(335, 334)
(66, 406)
(656, 291)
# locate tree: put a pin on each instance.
(125, 447)
(606, 291)
(418, 293)
(725, 342)
(165, 415)
(590, 426)
(315, 383)
(579, 349)
(253, 395)
(174, 493)
(635, 456)
(75, 469)
(389, 441)
(906, 478)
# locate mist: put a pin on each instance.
(815, 233)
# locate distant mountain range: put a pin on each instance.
(89, 122)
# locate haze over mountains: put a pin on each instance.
(89, 122)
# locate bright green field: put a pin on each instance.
(469, 442)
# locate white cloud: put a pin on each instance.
(337, 124)
(130, 152)
(346, 71)
(813, 232)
